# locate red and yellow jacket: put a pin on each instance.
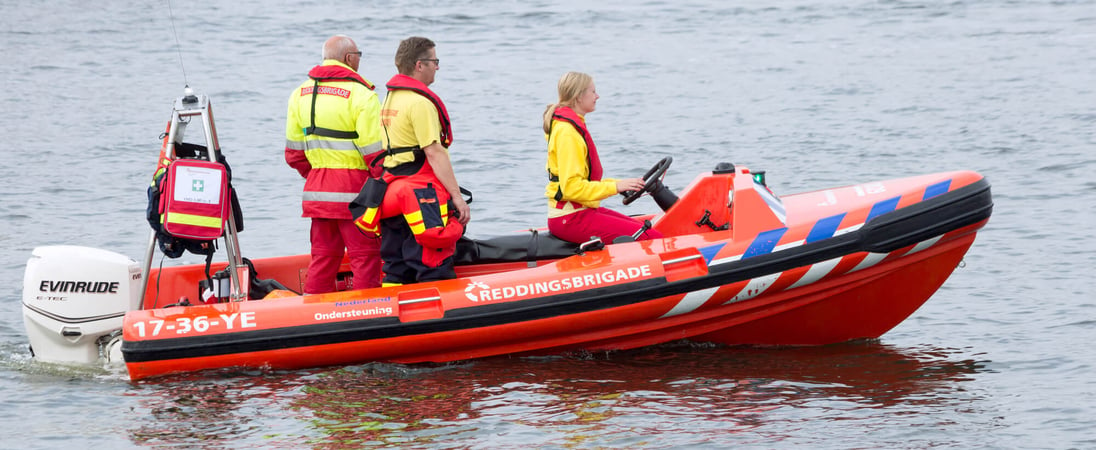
(574, 169)
(332, 133)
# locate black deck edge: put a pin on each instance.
(915, 223)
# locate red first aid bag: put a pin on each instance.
(194, 203)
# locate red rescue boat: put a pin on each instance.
(738, 265)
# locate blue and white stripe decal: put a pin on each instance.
(869, 260)
(758, 285)
(816, 272)
(825, 228)
(766, 242)
(755, 287)
(710, 251)
(877, 210)
(692, 301)
(924, 244)
(883, 207)
(937, 189)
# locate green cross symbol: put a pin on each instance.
(198, 186)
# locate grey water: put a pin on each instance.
(817, 93)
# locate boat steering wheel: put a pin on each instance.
(651, 180)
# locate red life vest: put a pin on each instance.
(402, 82)
(567, 114)
(337, 73)
(323, 73)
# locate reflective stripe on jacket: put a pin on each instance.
(335, 168)
(424, 205)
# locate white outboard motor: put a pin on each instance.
(74, 300)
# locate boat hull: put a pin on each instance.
(843, 310)
(816, 280)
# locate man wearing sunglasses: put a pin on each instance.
(423, 212)
(332, 132)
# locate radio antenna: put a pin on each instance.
(178, 48)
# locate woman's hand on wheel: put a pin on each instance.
(629, 184)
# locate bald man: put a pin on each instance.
(332, 133)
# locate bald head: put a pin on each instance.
(343, 49)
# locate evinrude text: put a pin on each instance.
(87, 287)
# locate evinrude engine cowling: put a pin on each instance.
(74, 300)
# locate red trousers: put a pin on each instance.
(579, 227)
(330, 238)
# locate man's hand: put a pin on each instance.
(462, 209)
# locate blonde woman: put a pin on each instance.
(576, 185)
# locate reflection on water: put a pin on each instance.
(683, 393)
(211, 409)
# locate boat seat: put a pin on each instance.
(531, 246)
